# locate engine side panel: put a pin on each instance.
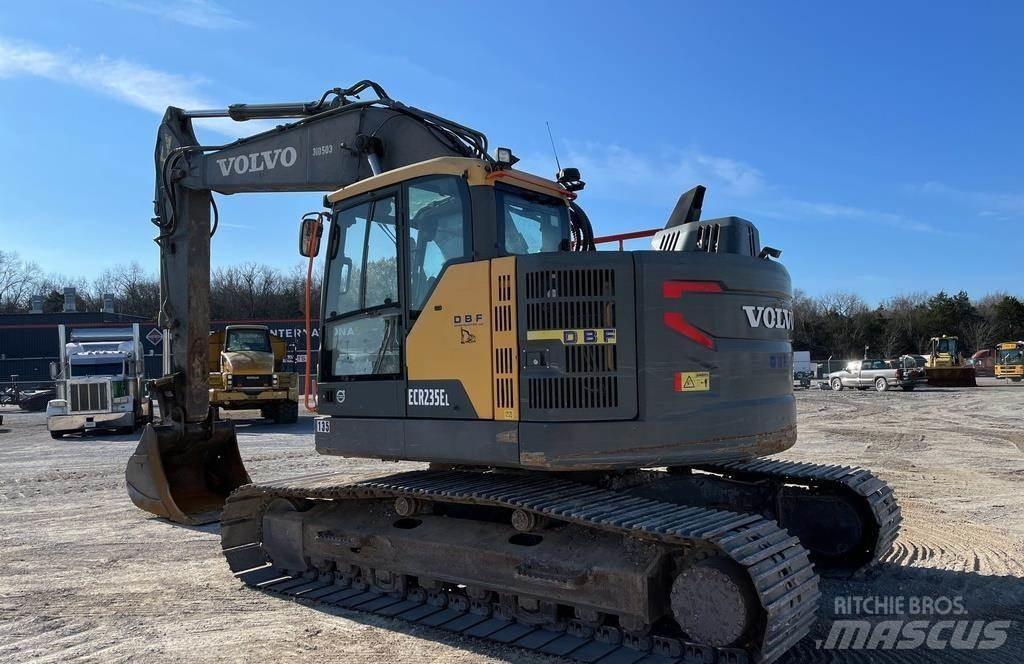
(624, 360)
(577, 331)
(715, 378)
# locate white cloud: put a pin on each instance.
(741, 179)
(141, 86)
(205, 14)
(615, 172)
(804, 209)
(663, 177)
(1000, 205)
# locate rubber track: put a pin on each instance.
(778, 566)
(880, 499)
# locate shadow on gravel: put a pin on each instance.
(907, 594)
(257, 425)
(904, 593)
(469, 644)
(211, 528)
(984, 598)
(101, 436)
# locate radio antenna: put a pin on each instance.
(553, 150)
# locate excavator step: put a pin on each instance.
(779, 569)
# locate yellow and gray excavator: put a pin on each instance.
(598, 425)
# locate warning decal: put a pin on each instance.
(693, 381)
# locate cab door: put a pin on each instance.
(869, 371)
(864, 374)
(361, 366)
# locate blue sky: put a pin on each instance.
(879, 145)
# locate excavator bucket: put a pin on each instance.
(951, 377)
(185, 476)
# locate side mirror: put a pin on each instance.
(54, 371)
(310, 231)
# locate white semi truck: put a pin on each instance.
(99, 381)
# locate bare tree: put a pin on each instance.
(893, 340)
(135, 291)
(249, 290)
(978, 333)
(906, 325)
(18, 280)
(51, 286)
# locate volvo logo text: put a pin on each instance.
(776, 317)
(255, 162)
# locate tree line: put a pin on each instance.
(237, 292)
(841, 325)
(835, 324)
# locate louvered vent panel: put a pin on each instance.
(708, 236)
(577, 392)
(574, 299)
(505, 339)
(590, 359)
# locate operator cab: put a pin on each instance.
(253, 339)
(393, 235)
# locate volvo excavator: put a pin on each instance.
(598, 425)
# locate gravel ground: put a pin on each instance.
(85, 575)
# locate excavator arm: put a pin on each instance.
(185, 467)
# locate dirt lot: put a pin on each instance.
(85, 575)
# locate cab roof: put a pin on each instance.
(476, 171)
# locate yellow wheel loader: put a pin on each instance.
(945, 365)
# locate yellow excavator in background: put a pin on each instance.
(945, 366)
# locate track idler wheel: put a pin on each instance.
(714, 603)
(186, 476)
(527, 522)
(407, 506)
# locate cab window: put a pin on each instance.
(247, 340)
(438, 232)
(363, 269)
(361, 307)
(532, 223)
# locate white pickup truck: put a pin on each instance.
(877, 374)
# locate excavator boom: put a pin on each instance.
(185, 467)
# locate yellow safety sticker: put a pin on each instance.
(693, 381)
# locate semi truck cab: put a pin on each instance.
(99, 381)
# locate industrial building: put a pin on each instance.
(29, 341)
